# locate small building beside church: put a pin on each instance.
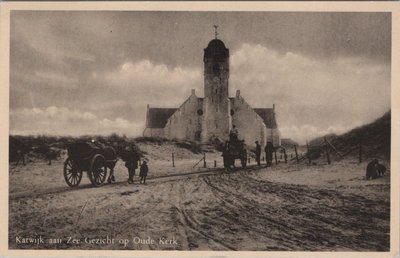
(213, 116)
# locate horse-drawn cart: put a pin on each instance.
(234, 149)
(94, 158)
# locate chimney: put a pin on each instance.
(193, 92)
(237, 93)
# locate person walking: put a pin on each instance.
(258, 153)
(144, 169)
(269, 150)
(132, 164)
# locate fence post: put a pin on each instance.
(359, 153)
(204, 159)
(173, 160)
(308, 153)
(276, 159)
(327, 151)
(297, 156)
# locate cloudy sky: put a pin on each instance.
(81, 72)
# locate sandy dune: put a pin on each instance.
(287, 207)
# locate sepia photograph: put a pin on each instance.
(195, 130)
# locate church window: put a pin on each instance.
(200, 112)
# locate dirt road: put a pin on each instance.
(246, 210)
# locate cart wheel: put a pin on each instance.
(72, 173)
(98, 170)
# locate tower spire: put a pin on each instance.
(216, 31)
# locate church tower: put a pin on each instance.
(217, 120)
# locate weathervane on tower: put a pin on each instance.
(216, 31)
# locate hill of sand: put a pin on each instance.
(286, 207)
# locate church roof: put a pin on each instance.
(216, 49)
(268, 115)
(158, 117)
(216, 44)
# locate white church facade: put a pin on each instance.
(213, 116)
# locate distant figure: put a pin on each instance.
(144, 169)
(233, 134)
(225, 155)
(381, 169)
(258, 153)
(372, 170)
(132, 164)
(20, 157)
(269, 150)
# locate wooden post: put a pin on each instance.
(297, 156)
(215, 163)
(360, 153)
(308, 153)
(204, 159)
(173, 160)
(327, 151)
(276, 159)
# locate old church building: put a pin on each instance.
(204, 119)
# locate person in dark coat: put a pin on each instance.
(233, 134)
(372, 170)
(269, 150)
(144, 169)
(132, 164)
(258, 153)
(381, 169)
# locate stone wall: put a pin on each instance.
(185, 123)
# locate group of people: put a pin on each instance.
(269, 150)
(269, 147)
(132, 163)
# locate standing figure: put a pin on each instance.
(20, 157)
(225, 155)
(233, 134)
(374, 170)
(258, 153)
(269, 150)
(132, 164)
(144, 169)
